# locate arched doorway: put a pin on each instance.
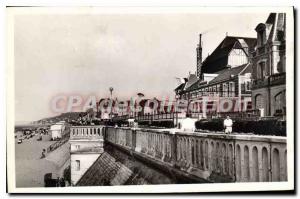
(280, 103)
(259, 103)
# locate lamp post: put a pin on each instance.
(111, 89)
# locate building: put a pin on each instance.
(225, 73)
(86, 146)
(57, 130)
(269, 66)
(131, 108)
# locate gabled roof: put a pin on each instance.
(218, 60)
(274, 25)
(196, 85)
(228, 73)
(277, 23)
(180, 87)
(191, 80)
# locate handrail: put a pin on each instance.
(210, 156)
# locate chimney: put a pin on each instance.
(199, 56)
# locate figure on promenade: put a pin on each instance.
(228, 125)
(187, 124)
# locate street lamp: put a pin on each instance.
(111, 89)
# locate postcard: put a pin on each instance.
(150, 99)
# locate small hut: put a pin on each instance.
(57, 130)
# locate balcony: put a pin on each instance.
(277, 79)
(260, 83)
(272, 80)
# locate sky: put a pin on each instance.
(87, 54)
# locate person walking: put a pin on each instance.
(228, 125)
(187, 124)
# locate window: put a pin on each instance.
(231, 89)
(280, 101)
(259, 101)
(225, 90)
(206, 92)
(261, 37)
(77, 165)
(248, 86)
(199, 94)
(261, 34)
(194, 95)
(218, 88)
(261, 70)
(214, 90)
(77, 146)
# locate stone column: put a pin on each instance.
(173, 149)
(133, 140)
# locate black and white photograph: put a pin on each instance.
(150, 100)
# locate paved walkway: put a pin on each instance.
(30, 169)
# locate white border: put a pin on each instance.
(215, 187)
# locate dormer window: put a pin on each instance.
(261, 70)
(261, 34)
(261, 37)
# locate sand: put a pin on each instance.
(30, 169)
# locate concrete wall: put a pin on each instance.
(213, 157)
(86, 160)
(268, 95)
(86, 146)
(273, 92)
(78, 145)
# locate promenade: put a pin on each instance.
(30, 169)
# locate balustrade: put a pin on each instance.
(86, 132)
(240, 158)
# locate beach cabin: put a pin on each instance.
(57, 130)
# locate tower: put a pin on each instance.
(199, 56)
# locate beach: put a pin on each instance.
(30, 169)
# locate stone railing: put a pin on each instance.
(277, 79)
(86, 132)
(260, 83)
(242, 115)
(213, 157)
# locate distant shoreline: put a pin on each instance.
(28, 126)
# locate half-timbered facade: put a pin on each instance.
(225, 73)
